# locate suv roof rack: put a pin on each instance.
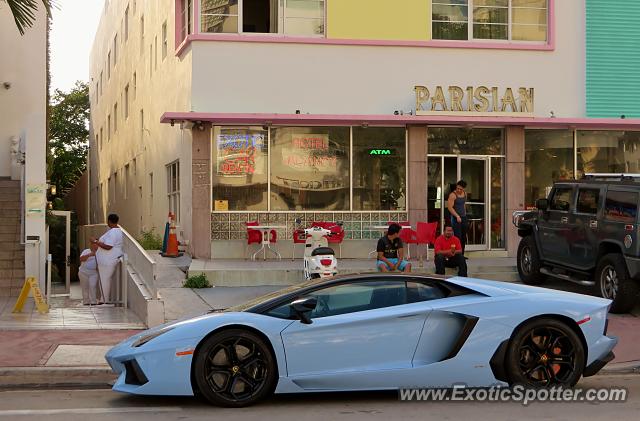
(612, 176)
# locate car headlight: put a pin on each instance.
(146, 338)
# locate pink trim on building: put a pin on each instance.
(282, 39)
(399, 120)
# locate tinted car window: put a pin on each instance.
(418, 291)
(588, 201)
(621, 206)
(561, 199)
(350, 298)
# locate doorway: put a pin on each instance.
(443, 173)
(60, 251)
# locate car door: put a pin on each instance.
(356, 327)
(554, 225)
(583, 243)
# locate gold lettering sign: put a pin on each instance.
(474, 100)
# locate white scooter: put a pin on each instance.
(319, 259)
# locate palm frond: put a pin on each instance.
(24, 11)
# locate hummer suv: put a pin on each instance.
(586, 232)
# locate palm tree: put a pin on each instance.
(24, 11)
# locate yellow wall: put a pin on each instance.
(379, 19)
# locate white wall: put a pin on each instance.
(23, 114)
(166, 88)
(262, 77)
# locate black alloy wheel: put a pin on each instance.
(545, 353)
(235, 368)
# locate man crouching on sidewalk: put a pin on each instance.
(391, 251)
(448, 251)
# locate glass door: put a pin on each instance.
(443, 172)
(60, 250)
(475, 170)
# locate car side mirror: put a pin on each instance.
(542, 204)
(302, 307)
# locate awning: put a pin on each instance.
(260, 119)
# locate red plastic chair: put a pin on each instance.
(254, 236)
(337, 233)
(426, 234)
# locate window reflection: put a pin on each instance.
(240, 168)
(310, 168)
(465, 141)
(379, 168)
(608, 152)
(548, 158)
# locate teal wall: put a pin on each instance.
(613, 58)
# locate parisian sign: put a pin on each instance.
(481, 100)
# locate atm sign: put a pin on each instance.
(381, 152)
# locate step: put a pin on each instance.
(10, 220)
(9, 238)
(9, 229)
(11, 205)
(10, 190)
(9, 183)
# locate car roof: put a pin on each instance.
(267, 300)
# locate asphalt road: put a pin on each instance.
(54, 405)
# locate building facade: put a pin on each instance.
(23, 140)
(232, 111)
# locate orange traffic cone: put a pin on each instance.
(172, 243)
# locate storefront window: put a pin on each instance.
(379, 168)
(464, 141)
(240, 159)
(310, 168)
(548, 157)
(608, 152)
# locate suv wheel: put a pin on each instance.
(529, 262)
(613, 282)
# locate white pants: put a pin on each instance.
(89, 285)
(107, 273)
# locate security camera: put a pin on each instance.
(7, 85)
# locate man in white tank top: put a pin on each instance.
(109, 251)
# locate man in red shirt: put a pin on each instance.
(448, 251)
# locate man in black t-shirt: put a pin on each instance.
(391, 251)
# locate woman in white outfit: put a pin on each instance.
(109, 251)
(88, 274)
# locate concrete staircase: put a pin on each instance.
(11, 251)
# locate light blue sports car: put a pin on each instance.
(371, 332)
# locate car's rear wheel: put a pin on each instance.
(545, 353)
(613, 282)
(529, 262)
(235, 368)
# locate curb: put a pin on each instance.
(100, 376)
(631, 367)
(97, 376)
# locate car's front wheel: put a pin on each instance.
(529, 262)
(545, 353)
(613, 282)
(235, 368)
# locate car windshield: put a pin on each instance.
(275, 294)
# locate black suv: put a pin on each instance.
(586, 232)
